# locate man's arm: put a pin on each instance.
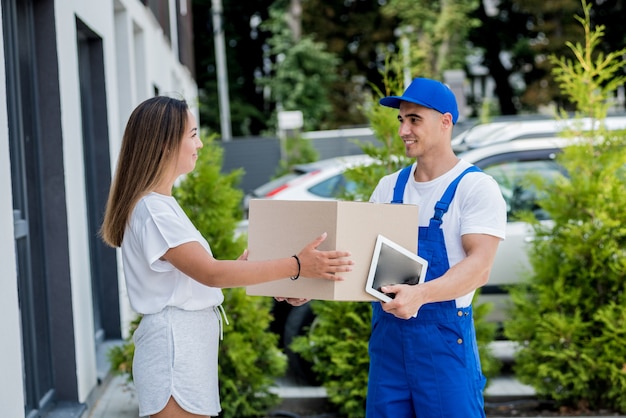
(464, 277)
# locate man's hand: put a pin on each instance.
(292, 301)
(406, 302)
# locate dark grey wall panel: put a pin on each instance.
(259, 157)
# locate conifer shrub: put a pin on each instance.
(569, 317)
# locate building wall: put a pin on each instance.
(11, 394)
(138, 62)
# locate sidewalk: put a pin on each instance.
(118, 400)
(116, 396)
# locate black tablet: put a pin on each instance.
(393, 264)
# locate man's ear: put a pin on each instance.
(446, 120)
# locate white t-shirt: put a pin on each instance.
(158, 223)
(477, 207)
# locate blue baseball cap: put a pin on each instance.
(429, 93)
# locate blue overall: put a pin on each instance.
(427, 366)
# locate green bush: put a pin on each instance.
(486, 332)
(573, 306)
(337, 346)
(249, 359)
(570, 315)
(121, 356)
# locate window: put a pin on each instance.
(513, 172)
(334, 187)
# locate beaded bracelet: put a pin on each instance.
(297, 261)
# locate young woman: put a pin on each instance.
(171, 276)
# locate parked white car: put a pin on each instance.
(320, 180)
(509, 163)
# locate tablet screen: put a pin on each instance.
(393, 264)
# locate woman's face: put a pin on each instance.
(190, 143)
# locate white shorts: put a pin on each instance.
(176, 356)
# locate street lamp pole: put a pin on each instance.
(222, 75)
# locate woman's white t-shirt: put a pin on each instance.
(477, 207)
(158, 223)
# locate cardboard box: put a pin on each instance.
(281, 228)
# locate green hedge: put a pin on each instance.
(570, 316)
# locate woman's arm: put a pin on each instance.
(193, 260)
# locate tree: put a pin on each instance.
(361, 37)
(300, 73)
(570, 317)
(244, 56)
(336, 24)
(528, 32)
(437, 30)
(550, 26)
(510, 25)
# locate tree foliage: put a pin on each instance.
(510, 25)
(300, 74)
(591, 77)
(437, 31)
(569, 317)
(549, 26)
(528, 33)
(361, 37)
(513, 42)
(297, 151)
(244, 44)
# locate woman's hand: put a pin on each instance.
(323, 264)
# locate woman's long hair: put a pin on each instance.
(149, 148)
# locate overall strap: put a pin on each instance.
(441, 207)
(398, 189)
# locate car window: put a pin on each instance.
(333, 187)
(272, 185)
(517, 192)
